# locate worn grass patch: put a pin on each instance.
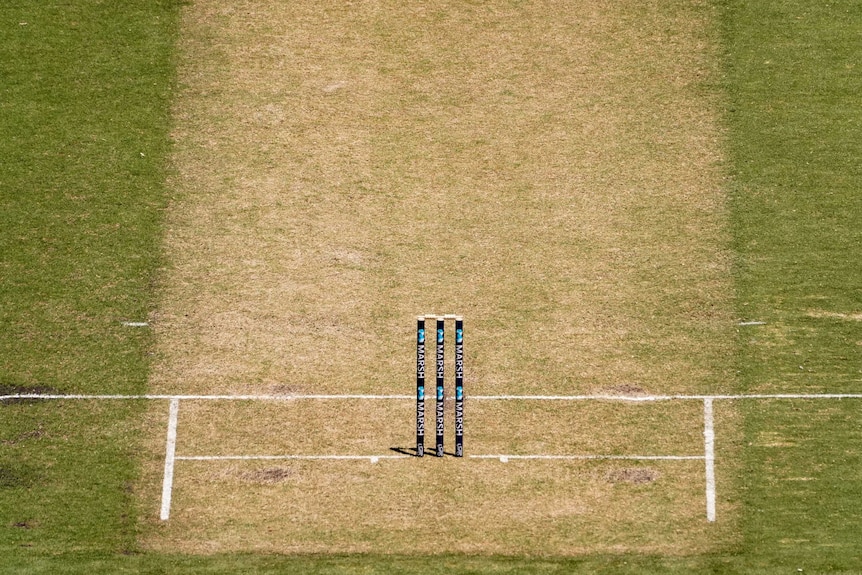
(551, 172)
(375, 427)
(436, 506)
(485, 506)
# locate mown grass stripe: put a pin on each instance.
(84, 120)
(793, 96)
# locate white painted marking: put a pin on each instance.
(569, 397)
(376, 458)
(507, 457)
(752, 323)
(709, 457)
(170, 452)
(371, 458)
(350, 396)
(648, 398)
(781, 396)
(135, 324)
(644, 398)
(206, 397)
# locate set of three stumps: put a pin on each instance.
(440, 370)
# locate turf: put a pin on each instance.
(340, 176)
(551, 171)
(84, 114)
(793, 112)
(479, 506)
(791, 89)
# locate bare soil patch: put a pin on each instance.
(268, 475)
(12, 389)
(635, 475)
(626, 389)
(36, 433)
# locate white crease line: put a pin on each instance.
(203, 397)
(648, 398)
(573, 397)
(375, 458)
(709, 457)
(638, 398)
(371, 458)
(779, 396)
(505, 458)
(348, 396)
(170, 452)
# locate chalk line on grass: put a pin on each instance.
(375, 458)
(170, 457)
(709, 458)
(622, 398)
(507, 457)
(371, 458)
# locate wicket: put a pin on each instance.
(439, 424)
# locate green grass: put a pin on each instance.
(794, 115)
(86, 91)
(373, 565)
(84, 119)
(83, 141)
(794, 96)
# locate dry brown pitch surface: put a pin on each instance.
(550, 170)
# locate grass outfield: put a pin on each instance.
(84, 117)
(77, 262)
(793, 115)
